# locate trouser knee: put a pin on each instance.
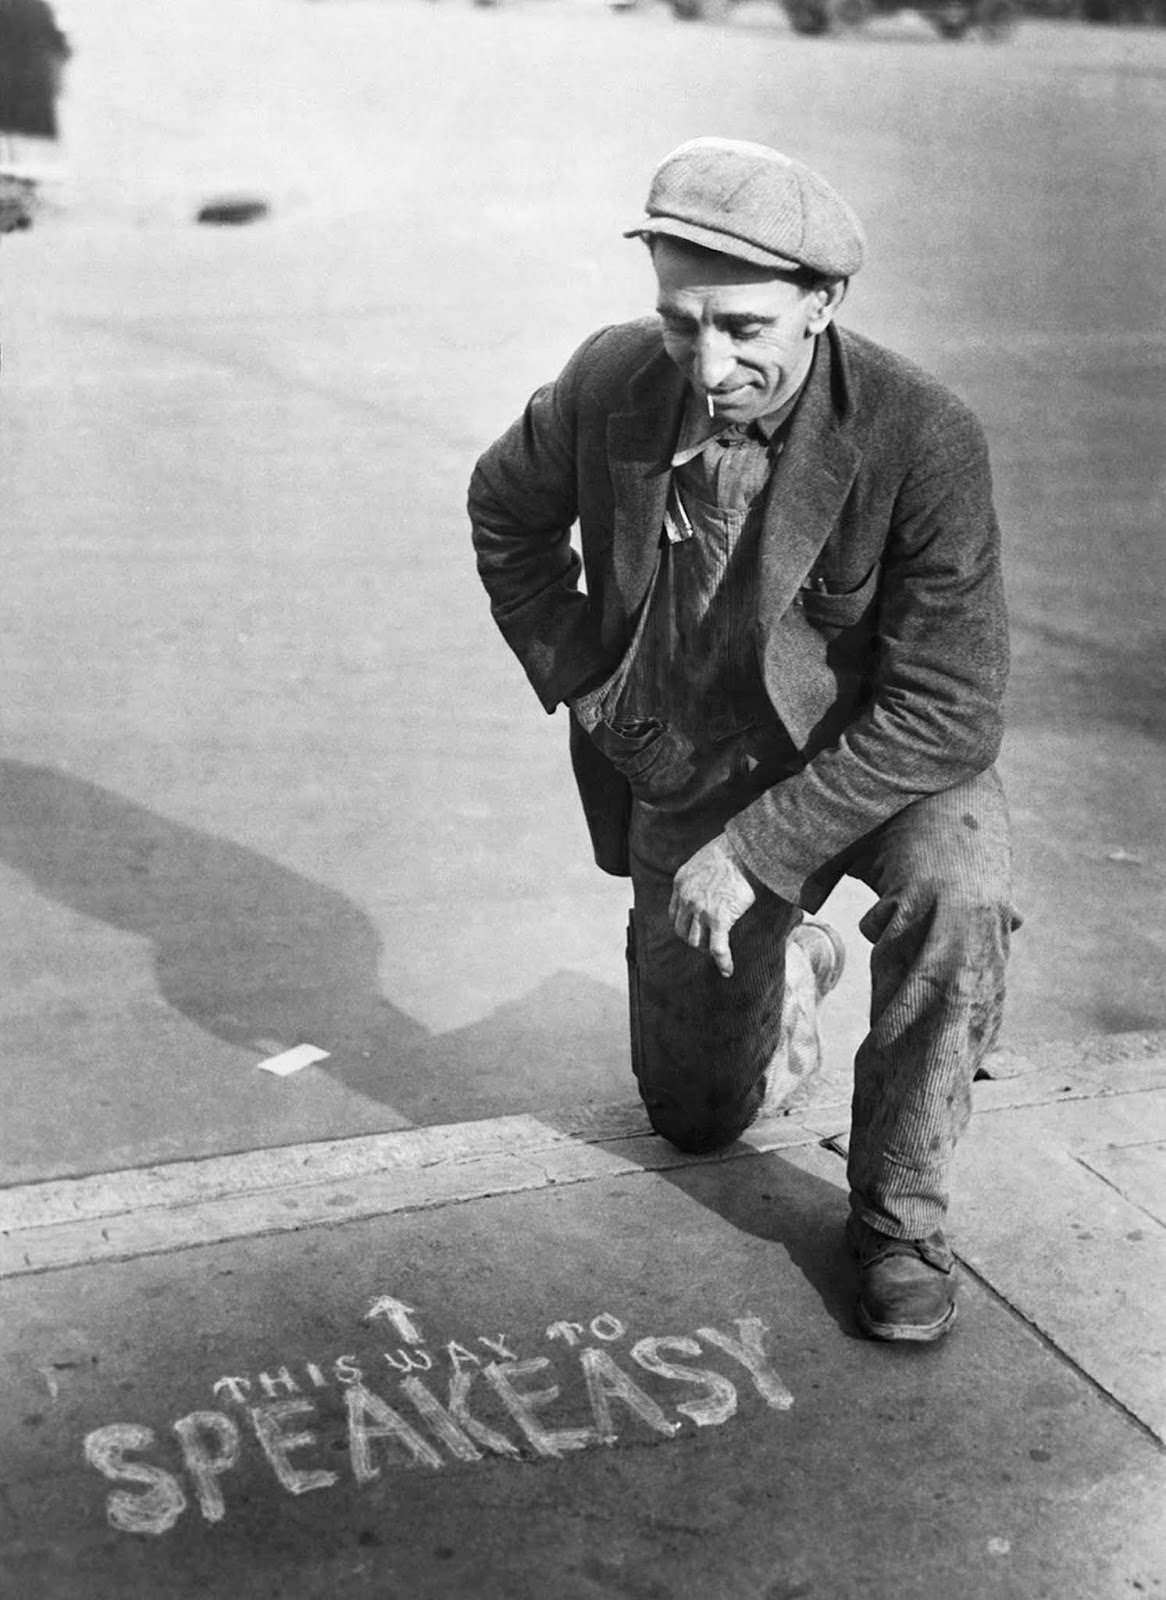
(957, 937)
(701, 1044)
(699, 1129)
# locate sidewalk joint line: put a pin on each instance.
(1057, 1350)
(1081, 1158)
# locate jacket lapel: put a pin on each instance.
(640, 442)
(814, 476)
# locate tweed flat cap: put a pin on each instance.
(755, 204)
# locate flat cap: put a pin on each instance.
(748, 201)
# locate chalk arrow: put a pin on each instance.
(572, 1332)
(397, 1313)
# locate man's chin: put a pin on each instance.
(742, 405)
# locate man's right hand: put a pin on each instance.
(710, 893)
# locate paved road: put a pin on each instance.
(269, 776)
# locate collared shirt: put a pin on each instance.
(727, 465)
(696, 664)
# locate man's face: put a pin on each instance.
(740, 334)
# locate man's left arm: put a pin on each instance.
(935, 714)
(934, 717)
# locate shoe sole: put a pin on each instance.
(825, 982)
(905, 1332)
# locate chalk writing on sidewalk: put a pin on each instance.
(423, 1406)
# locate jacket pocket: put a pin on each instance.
(631, 747)
(830, 612)
(656, 760)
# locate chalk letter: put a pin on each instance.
(747, 1350)
(154, 1512)
(282, 1380)
(406, 1360)
(498, 1346)
(277, 1445)
(385, 1424)
(572, 1332)
(317, 1376)
(459, 1356)
(547, 1442)
(605, 1382)
(237, 1388)
(346, 1370)
(720, 1402)
(439, 1419)
(459, 1388)
(607, 1327)
(204, 1468)
(456, 1427)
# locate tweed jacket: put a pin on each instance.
(880, 612)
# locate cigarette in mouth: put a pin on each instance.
(708, 400)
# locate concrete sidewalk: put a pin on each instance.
(530, 1355)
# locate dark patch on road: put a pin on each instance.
(232, 211)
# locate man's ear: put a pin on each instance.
(826, 301)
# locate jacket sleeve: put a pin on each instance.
(934, 714)
(523, 501)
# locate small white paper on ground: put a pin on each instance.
(301, 1055)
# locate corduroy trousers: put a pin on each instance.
(939, 932)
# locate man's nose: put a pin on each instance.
(712, 358)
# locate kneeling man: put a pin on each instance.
(788, 665)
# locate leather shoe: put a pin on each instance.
(906, 1286)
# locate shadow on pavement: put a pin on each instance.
(563, 1044)
(263, 958)
(248, 950)
(774, 1200)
